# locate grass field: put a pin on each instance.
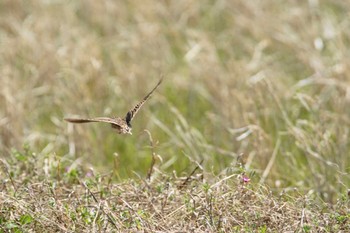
(249, 131)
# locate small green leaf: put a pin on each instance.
(26, 219)
(11, 225)
(306, 228)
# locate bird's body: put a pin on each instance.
(122, 125)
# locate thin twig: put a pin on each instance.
(192, 173)
(8, 174)
(95, 199)
(150, 170)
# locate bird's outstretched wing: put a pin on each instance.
(131, 114)
(116, 121)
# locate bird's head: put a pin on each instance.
(126, 130)
(122, 129)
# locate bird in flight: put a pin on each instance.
(121, 125)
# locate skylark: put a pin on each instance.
(122, 125)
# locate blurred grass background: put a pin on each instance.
(264, 82)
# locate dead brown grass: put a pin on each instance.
(77, 200)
